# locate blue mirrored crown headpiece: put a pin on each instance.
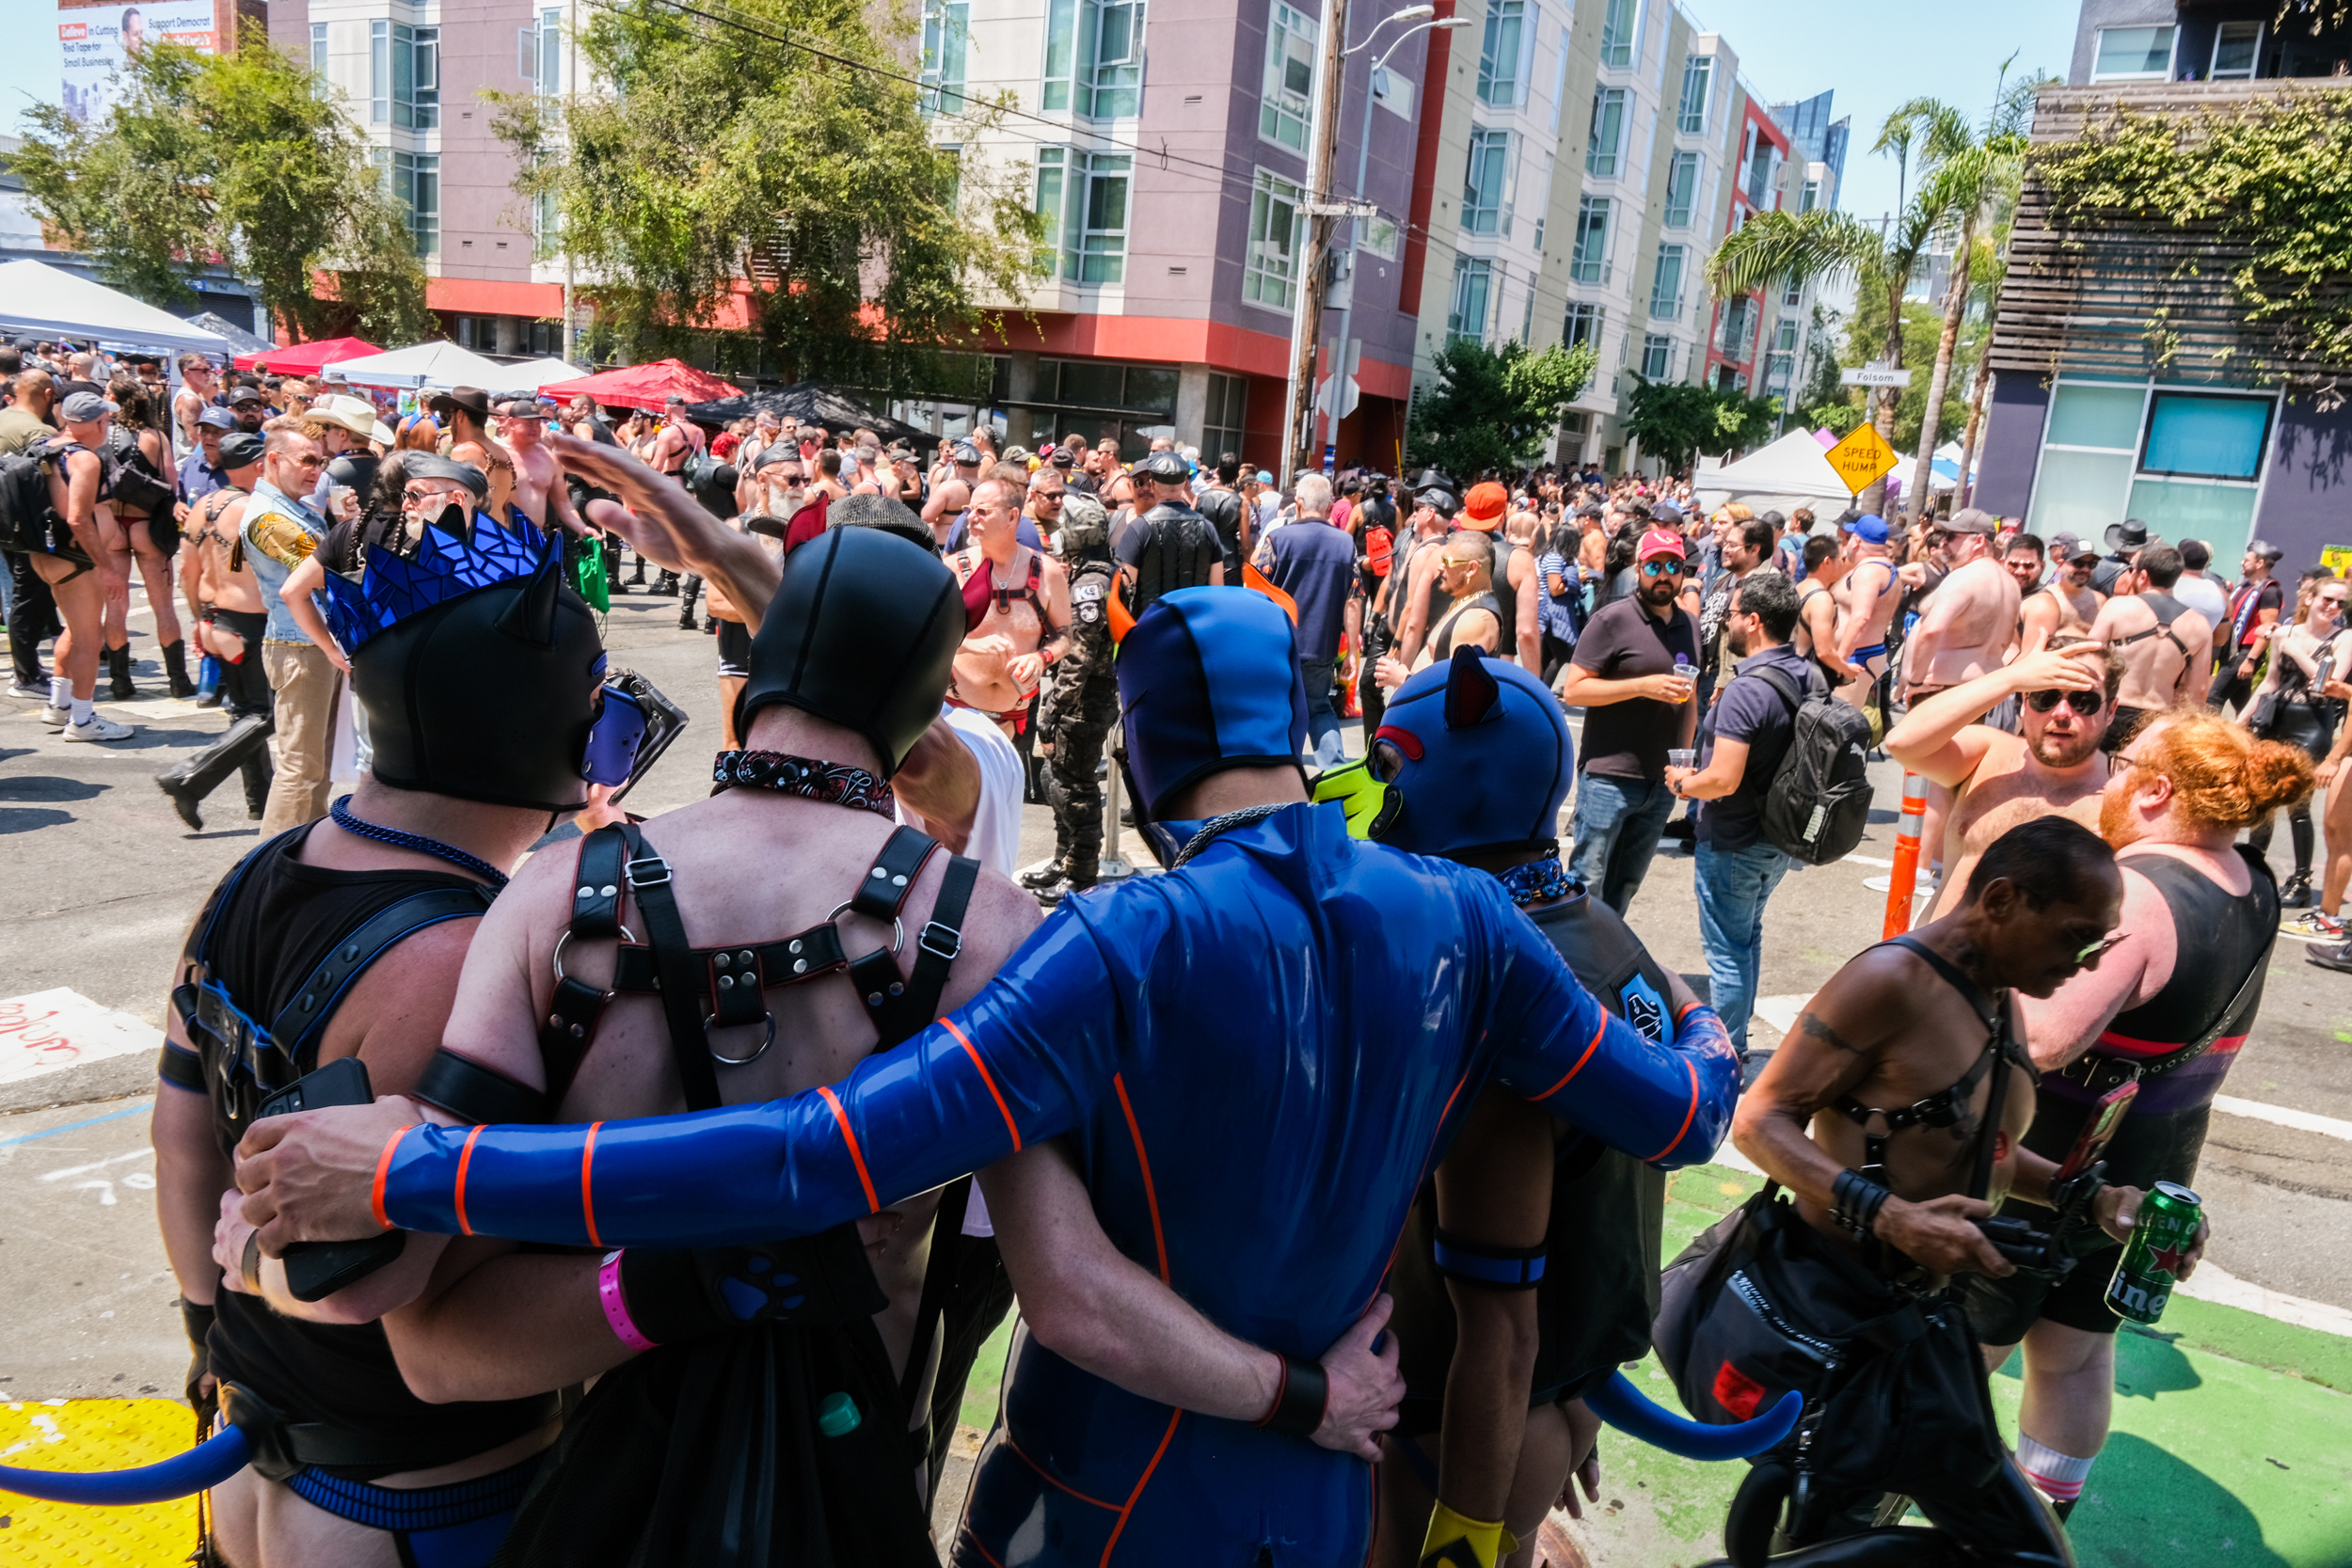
(443, 564)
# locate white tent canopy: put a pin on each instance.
(536, 373)
(1791, 472)
(436, 364)
(49, 302)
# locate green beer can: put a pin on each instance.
(2159, 1248)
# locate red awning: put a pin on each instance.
(645, 386)
(306, 359)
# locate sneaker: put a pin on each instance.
(2331, 958)
(2312, 925)
(99, 728)
(36, 692)
(56, 718)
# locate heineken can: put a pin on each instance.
(2159, 1248)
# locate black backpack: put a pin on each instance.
(1819, 802)
(26, 512)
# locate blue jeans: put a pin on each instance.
(1616, 826)
(1323, 720)
(1733, 885)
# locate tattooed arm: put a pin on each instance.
(1834, 1049)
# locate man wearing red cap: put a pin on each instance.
(1514, 585)
(1634, 673)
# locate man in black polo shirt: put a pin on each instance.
(1634, 670)
(1747, 734)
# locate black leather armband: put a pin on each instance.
(1300, 1401)
(1855, 1201)
(181, 1067)
(473, 1093)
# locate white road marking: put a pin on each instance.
(99, 1164)
(49, 1031)
(2218, 1284)
(2303, 1121)
(1859, 859)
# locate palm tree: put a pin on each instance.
(1959, 173)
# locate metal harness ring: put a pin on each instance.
(897, 926)
(723, 1060)
(562, 942)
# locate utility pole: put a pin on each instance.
(1299, 416)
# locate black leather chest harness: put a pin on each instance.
(1944, 1107)
(707, 988)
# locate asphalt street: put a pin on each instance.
(106, 880)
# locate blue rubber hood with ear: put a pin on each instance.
(1482, 757)
(1208, 679)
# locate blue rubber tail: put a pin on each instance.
(1624, 1406)
(208, 1464)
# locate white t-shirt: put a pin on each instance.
(995, 840)
(2204, 596)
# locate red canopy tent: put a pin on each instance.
(306, 359)
(645, 386)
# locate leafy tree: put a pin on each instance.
(1490, 409)
(240, 157)
(1922, 328)
(1678, 422)
(719, 171)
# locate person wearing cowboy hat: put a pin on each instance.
(466, 411)
(346, 424)
(2125, 541)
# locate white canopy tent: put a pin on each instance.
(1791, 472)
(439, 365)
(535, 373)
(49, 302)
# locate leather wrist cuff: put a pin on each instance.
(198, 1321)
(1299, 1401)
(1855, 1201)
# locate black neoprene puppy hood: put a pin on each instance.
(862, 633)
(487, 696)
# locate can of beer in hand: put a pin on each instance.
(2161, 1239)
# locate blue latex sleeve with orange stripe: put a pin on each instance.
(1666, 1102)
(962, 1094)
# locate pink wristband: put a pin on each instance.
(616, 1304)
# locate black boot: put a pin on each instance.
(257, 775)
(199, 775)
(119, 671)
(176, 669)
(1044, 877)
(665, 586)
(1081, 875)
(638, 578)
(2295, 891)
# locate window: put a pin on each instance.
(1763, 173)
(380, 72)
(539, 54)
(1286, 103)
(2235, 45)
(1736, 327)
(1379, 236)
(1269, 272)
(1779, 368)
(1665, 293)
(416, 179)
(1582, 326)
(1473, 286)
(1502, 59)
(1698, 78)
(1061, 42)
(2133, 53)
(1658, 356)
(947, 44)
(1785, 336)
(1589, 261)
(1620, 29)
(1049, 161)
(1682, 190)
(2188, 464)
(1602, 154)
(1487, 189)
(1810, 198)
(1110, 58)
(318, 48)
(1095, 248)
(1226, 417)
(2195, 436)
(1792, 294)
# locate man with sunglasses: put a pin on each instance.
(2064, 606)
(2053, 767)
(1634, 671)
(1967, 621)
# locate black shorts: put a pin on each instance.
(735, 650)
(2146, 1150)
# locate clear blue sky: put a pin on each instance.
(1876, 56)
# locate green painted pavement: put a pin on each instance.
(2232, 1446)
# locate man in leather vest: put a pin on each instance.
(1168, 546)
(1223, 505)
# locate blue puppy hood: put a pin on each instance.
(1482, 757)
(1208, 679)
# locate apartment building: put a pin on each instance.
(411, 74)
(1758, 171)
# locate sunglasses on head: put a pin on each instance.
(2086, 705)
(1662, 568)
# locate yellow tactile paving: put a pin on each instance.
(93, 1434)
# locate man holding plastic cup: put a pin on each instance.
(1634, 671)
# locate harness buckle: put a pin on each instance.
(629, 869)
(947, 934)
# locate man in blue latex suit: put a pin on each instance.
(1256, 1058)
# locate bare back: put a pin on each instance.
(215, 537)
(1973, 615)
(2156, 668)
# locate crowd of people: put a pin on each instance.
(1326, 1168)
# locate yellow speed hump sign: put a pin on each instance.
(1862, 458)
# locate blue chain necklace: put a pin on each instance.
(1546, 879)
(1215, 825)
(421, 844)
